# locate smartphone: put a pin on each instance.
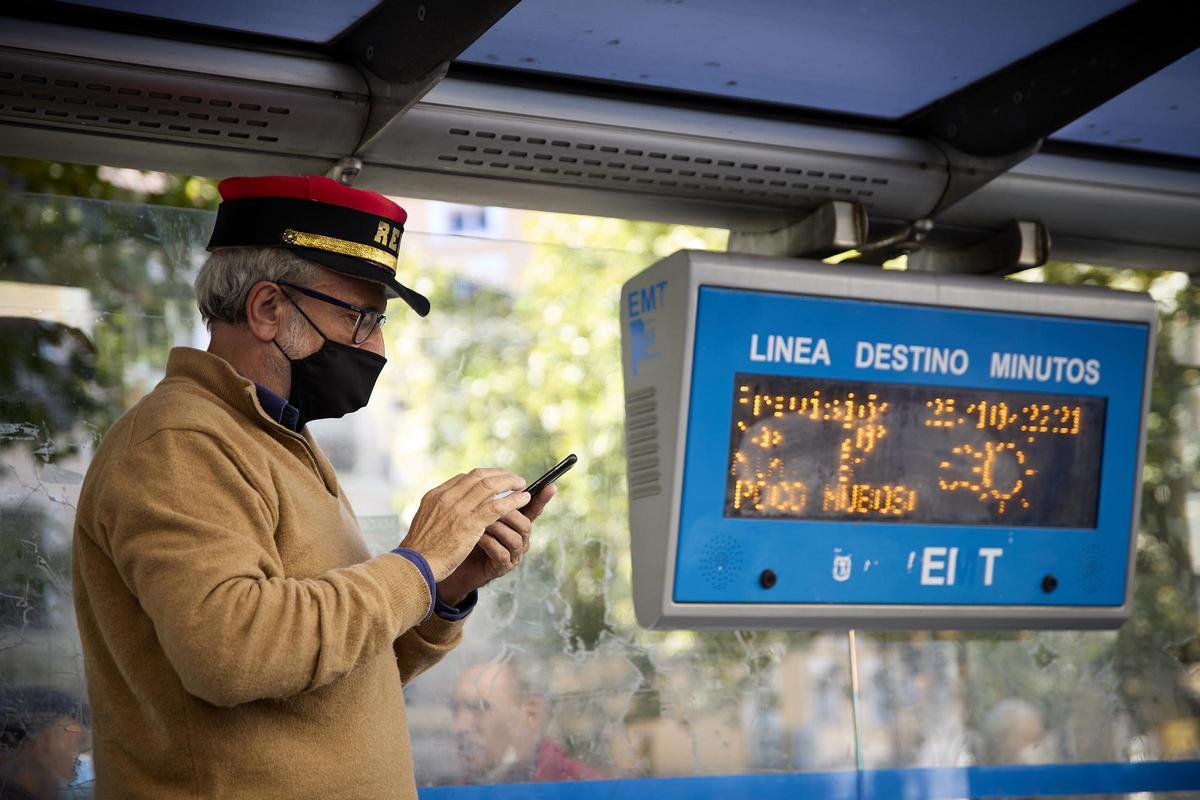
(552, 474)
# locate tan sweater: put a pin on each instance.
(238, 639)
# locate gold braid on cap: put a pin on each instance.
(385, 258)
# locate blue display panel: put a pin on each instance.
(855, 452)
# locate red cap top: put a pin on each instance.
(313, 187)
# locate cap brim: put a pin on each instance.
(357, 268)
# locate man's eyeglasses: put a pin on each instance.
(368, 318)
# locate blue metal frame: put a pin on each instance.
(1048, 780)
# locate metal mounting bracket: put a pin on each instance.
(833, 227)
(404, 47)
(968, 173)
(1019, 245)
(390, 99)
(909, 238)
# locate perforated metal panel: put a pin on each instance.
(696, 170)
(96, 96)
(538, 149)
(110, 87)
(601, 146)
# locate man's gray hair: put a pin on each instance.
(229, 274)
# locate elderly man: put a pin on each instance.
(501, 722)
(42, 734)
(239, 640)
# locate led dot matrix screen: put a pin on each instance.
(808, 448)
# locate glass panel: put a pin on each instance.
(92, 295)
(306, 20)
(1159, 115)
(878, 59)
(515, 368)
(555, 680)
(519, 366)
(1029, 698)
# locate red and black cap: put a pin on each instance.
(352, 231)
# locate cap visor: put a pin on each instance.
(357, 268)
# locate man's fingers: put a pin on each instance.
(538, 504)
(446, 484)
(483, 482)
(494, 508)
(511, 539)
(497, 553)
(518, 522)
(488, 485)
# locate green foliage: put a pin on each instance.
(519, 379)
(47, 382)
(135, 256)
(104, 183)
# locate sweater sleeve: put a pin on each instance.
(419, 648)
(193, 539)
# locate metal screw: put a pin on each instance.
(1018, 97)
(370, 52)
(1049, 584)
(420, 13)
(767, 579)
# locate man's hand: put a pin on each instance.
(450, 518)
(504, 543)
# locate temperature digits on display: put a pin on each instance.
(809, 448)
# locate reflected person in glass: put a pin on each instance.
(501, 724)
(1013, 733)
(43, 733)
(239, 639)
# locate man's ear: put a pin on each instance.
(265, 310)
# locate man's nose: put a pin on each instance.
(374, 343)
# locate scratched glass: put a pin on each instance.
(1069, 697)
(517, 366)
(92, 295)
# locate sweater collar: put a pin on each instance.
(218, 376)
(213, 374)
(278, 408)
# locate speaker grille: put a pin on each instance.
(641, 444)
(721, 561)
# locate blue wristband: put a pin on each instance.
(421, 564)
(448, 612)
(443, 610)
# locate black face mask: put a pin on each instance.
(334, 381)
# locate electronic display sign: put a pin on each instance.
(807, 448)
(816, 446)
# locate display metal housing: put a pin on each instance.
(985, 551)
